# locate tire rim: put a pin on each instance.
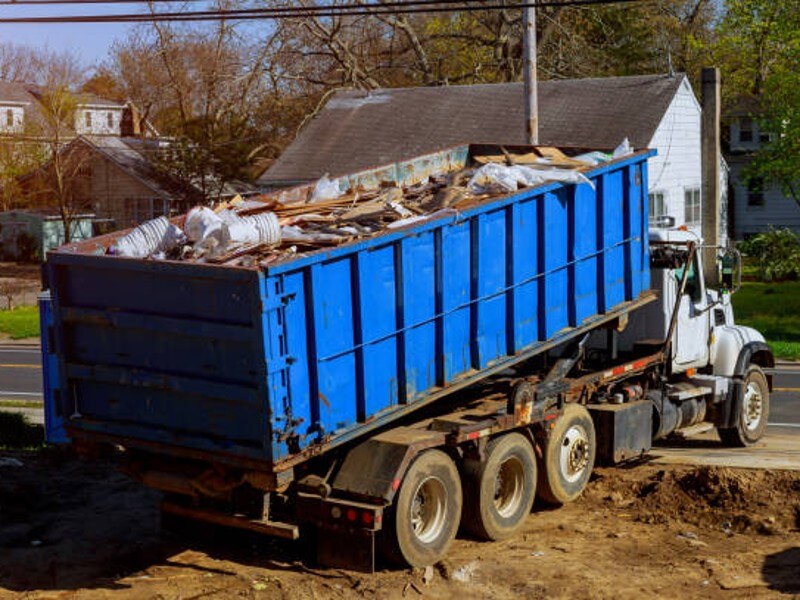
(752, 409)
(428, 510)
(508, 487)
(574, 456)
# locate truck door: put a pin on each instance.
(691, 346)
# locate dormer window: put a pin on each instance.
(9, 118)
(110, 120)
(88, 116)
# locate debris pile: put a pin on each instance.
(265, 231)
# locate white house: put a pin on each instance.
(20, 109)
(357, 130)
(755, 204)
(14, 101)
(98, 116)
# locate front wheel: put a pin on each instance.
(568, 456)
(426, 512)
(751, 422)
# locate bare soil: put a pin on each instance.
(70, 528)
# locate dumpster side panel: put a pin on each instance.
(166, 353)
(391, 320)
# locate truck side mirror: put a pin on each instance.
(729, 263)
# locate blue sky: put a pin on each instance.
(90, 41)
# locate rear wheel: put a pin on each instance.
(751, 422)
(426, 513)
(500, 490)
(568, 456)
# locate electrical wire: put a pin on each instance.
(329, 10)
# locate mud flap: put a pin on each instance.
(342, 549)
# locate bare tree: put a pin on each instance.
(56, 183)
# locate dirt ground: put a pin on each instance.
(74, 529)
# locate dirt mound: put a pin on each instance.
(764, 502)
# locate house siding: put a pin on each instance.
(114, 194)
(17, 115)
(777, 210)
(99, 121)
(677, 167)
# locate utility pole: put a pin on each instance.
(710, 165)
(529, 75)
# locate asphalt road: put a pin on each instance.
(785, 405)
(21, 381)
(20, 374)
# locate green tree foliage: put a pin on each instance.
(758, 47)
(777, 252)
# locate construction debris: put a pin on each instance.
(265, 231)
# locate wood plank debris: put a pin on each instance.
(308, 226)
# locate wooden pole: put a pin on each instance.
(529, 75)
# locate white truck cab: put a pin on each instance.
(717, 371)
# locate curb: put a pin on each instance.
(14, 345)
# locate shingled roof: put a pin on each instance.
(15, 93)
(137, 157)
(357, 130)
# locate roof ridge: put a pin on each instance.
(655, 76)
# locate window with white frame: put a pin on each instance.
(88, 118)
(110, 120)
(691, 206)
(9, 118)
(656, 206)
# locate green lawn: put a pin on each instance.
(21, 322)
(773, 309)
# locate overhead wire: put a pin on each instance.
(321, 10)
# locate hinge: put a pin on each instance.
(280, 364)
(278, 301)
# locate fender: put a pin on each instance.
(751, 353)
(728, 344)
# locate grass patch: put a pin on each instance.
(17, 433)
(20, 404)
(774, 310)
(21, 322)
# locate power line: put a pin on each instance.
(50, 2)
(329, 10)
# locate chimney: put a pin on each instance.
(710, 166)
(131, 121)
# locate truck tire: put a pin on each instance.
(427, 510)
(499, 491)
(751, 422)
(568, 456)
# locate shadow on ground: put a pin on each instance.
(782, 571)
(16, 432)
(68, 524)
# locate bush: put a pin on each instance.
(777, 253)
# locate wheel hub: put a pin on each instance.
(752, 406)
(574, 456)
(508, 487)
(428, 510)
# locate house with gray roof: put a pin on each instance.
(755, 204)
(357, 130)
(123, 181)
(21, 110)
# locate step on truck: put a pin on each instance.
(378, 396)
